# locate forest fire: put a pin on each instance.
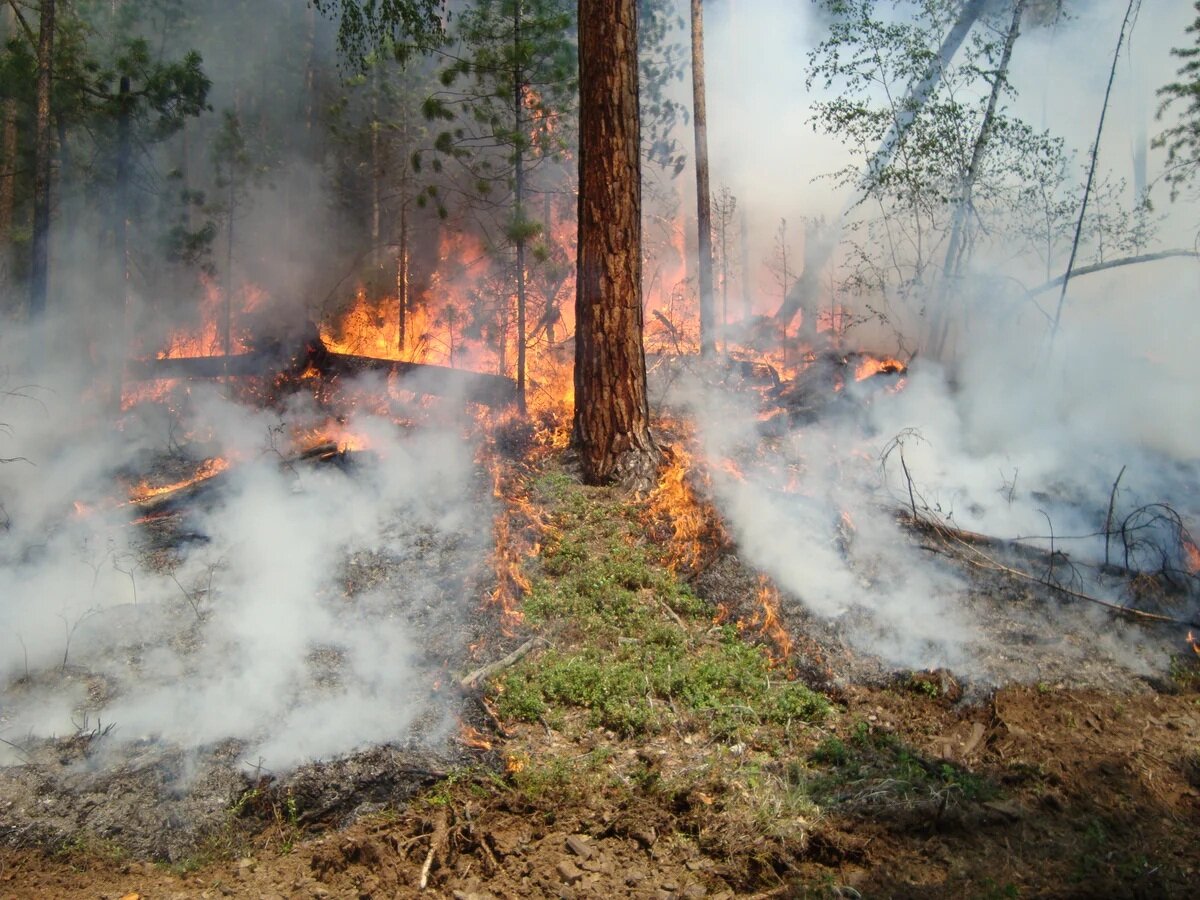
(470, 736)
(207, 469)
(767, 622)
(1191, 555)
(695, 529)
(870, 365)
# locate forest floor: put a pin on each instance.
(657, 742)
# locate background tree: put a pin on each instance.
(962, 179)
(611, 430)
(1182, 140)
(704, 222)
(508, 95)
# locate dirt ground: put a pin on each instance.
(1100, 797)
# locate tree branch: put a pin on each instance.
(1113, 264)
(29, 32)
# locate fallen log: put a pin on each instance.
(310, 352)
(472, 681)
(423, 378)
(167, 501)
(970, 550)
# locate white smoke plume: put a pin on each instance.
(259, 629)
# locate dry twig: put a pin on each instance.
(472, 681)
(437, 844)
(972, 555)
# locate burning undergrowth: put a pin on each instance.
(201, 605)
(908, 531)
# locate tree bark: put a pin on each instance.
(43, 152)
(708, 343)
(612, 419)
(519, 200)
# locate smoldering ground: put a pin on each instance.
(295, 616)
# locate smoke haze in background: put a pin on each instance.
(1014, 433)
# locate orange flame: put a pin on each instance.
(515, 534)
(693, 522)
(1191, 556)
(473, 737)
(768, 623)
(210, 467)
(878, 366)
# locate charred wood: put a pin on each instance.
(273, 358)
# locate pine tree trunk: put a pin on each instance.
(8, 193)
(122, 212)
(703, 195)
(519, 201)
(612, 420)
(43, 151)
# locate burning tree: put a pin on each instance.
(612, 417)
(504, 98)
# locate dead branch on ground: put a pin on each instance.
(472, 681)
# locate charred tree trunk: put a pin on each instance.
(708, 343)
(612, 418)
(39, 276)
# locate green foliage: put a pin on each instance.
(639, 653)
(875, 762)
(1022, 193)
(403, 26)
(1182, 140)
(508, 93)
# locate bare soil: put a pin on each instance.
(1100, 797)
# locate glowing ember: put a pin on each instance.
(473, 738)
(1195, 645)
(515, 762)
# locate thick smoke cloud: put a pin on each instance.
(1018, 437)
(257, 631)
